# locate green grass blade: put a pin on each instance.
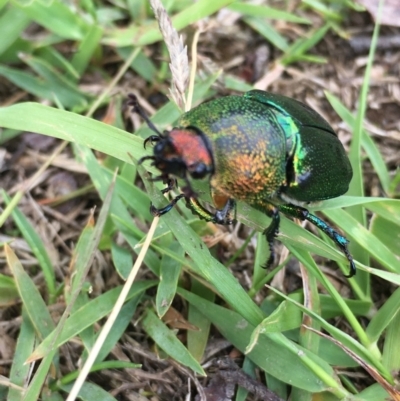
(391, 349)
(90, 392)
(87, 47)
(298, 49)
(8, 291)
(366, 141)
(20, 370)
(58, 84)
(12, 23)
(272, 353)
(73, 127)
(388, 232)
(30, 296)
(341, 336)
(369, 242)
(267, 12)
(120, 325)
(41, 375)
(112, 364)
(168, 342)
(197, 340)
(381, 320)
(169, 275)
(37, 246)
(268, 32)
(150, 34)
(56, 16)
(87, 315)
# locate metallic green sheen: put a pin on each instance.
(242, 133)
(321, 167)
(304, 161)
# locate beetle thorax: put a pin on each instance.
(183, 152)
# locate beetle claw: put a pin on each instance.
(144, 158)
(152, 139)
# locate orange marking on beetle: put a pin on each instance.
(190, 147)
(219, 200)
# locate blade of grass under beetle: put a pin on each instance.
(273, 352)
(369, 242)
(343, 338)
(197, 340)
(383, 316)
(306, 259)
(388, 232)
(169, 275)
(391, 348)
(204, 263)
(166, 339)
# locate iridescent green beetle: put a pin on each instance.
(272, 152)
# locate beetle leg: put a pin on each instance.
(137, 108)
(224, 206)
(223, 216)
(171, 183)
(342, 242)
(144, 158)
(219, 217)
(159, 212)
(271, 232)
(152, 139)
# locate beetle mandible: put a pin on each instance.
(270, 151)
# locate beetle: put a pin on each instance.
(272, 152)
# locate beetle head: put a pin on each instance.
(183, 153)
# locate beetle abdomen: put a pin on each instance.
(319, 168)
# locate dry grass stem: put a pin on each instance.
(177, 52)
(113, 316)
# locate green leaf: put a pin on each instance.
(20, 370)
(148, 34)
(8, 291)
(12, 23)
(267, 12)
(56, 16)
(168, 342)
(38, 247)
(87, 315)
(272, 353)
(73, 127)
(169, 275)
(31, 298)
(90, 392)
(388, 232)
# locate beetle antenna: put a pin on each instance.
(137, 108)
